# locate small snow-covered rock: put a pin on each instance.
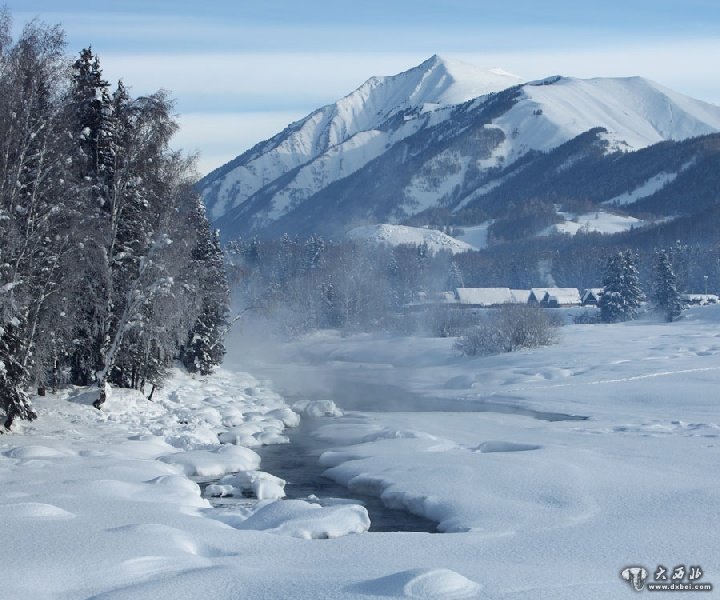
(217, 490)
(301, 519)
(263, 485)
(36, 452)
(318, 408)
(289, 417)
(215, 462)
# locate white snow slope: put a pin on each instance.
(396, 235)
(336, 134)
(599, 221)
(636, 112)
(100, 505)
(341, 138)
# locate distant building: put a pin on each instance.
(520, 296)
(483, 297)
(555, 297)
(591, 296)
(700, 299)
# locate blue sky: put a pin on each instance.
(241, 71)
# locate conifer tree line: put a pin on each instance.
(311, 283)
(314, 283)
(109, 271)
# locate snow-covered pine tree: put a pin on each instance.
(665, 295)
(205, 347)
(391, 274)
(13, 375)
(622, 296)
(313, 253)
(94, 236)
(92, 110)
(455, 277)
(89, 116)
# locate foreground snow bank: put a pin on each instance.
(554, 468)
(95, 502)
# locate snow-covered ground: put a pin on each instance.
(550, 470)
(476, 235)
(599, 221)
(395, 235)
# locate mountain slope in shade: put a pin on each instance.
(425, 140)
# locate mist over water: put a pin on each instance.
(329, 374)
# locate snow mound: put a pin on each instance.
(122, 401)
(318, 408)
(297, 518)
(255, 433)
(289, 417)
(263, 485)
(397, 235)
(425, 584)
(36, 452)
(215, 462)
(33, 510)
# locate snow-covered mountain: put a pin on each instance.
(442, 135)
(397, 235)
(339, 138)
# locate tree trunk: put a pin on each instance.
(104, 392)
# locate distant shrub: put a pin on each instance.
(449, 321)
(587, 317)
(509, 328)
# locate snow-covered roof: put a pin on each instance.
(484, 296)
(565, 297)
(539, 294)
(556, 295)
(520, 296)
(591, 292)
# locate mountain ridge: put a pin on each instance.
(401, 145)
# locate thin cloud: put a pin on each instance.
(242, 73)
(220, 137)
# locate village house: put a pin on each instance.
(555, 297)
(591, 296)
(483, 297)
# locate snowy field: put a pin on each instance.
(548, 471)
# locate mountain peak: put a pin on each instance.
(452, 81)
